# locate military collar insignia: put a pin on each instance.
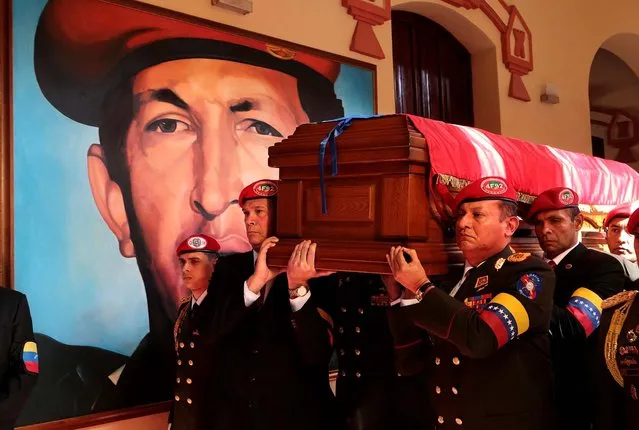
(518, 257)
(499, 263)
(482, 282)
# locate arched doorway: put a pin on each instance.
(433, 71)
(614, 101)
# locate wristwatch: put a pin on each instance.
(299, 291)
(421, 291)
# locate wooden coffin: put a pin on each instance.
(378, 199)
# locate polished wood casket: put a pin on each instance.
(380, 197)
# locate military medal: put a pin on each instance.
(481, 283)
(631, 336)
(499, 263)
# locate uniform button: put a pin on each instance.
(341, 352)
(177, 380)
(458, 421)
(456, 361)
(341, 330)
(361, 311)
(179, 362)
(343, 372)
(358, 374)
(438, 390)
(189, 401)
(357, 330)
(181, 344)
(250, 404)
(343, 309)
(255, 351)
(190, 362)
(437, 361)
(177, 398)
(357, 352)
(348, 279)
(192, 344)
(455, 391)
(440, 419)
(252, 379)
(189, 381)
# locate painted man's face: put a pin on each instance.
(200, 134)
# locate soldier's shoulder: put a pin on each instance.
(601, 257)
(619, 299)
(525, 261)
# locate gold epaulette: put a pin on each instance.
(618, 298)
(518, 257)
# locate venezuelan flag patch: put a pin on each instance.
(585, 306)
(506, 317)
(30, 357)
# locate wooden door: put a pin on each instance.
(433, 76)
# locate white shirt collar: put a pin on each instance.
(561, 256)
(199, 299)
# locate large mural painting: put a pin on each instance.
(134, 128)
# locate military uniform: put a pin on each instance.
(584, 278)
(370, 394)
(18, 356)
(490, 363)
(618, 388)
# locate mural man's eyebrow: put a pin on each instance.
(244, 106)
(164, 95)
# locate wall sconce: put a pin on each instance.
(549, 94)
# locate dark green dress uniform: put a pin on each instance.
(194, 376)
(585, 277)
(18, 356)
(618, 383)
(370, 394)
(490, 364)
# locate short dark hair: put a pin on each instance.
(508, 209)
(574, 211)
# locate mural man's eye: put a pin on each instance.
(264, 129)
(167, 125)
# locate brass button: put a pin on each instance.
(456, 361)
(178, 380)
(440, 419)
(455, 391)
(361, 311)
(357, 352)
(358, 374)
(189, 381)
(181, 344)
(190, 362)
(438, 390)
(343, 372)
(189, 401)
(192, 344)
(179, 362)
(341, 330)
(343, 309)
(357, 330)
(437, 361)
(458, 421)
(177, 398)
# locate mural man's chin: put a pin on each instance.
(185, 115)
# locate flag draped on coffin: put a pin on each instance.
(462, 154)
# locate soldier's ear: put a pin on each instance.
(512, 224)
(108, 199)
(579, 221)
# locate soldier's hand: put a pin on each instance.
(263, 273)
(410, 275)
(301, 265)
(392, 286)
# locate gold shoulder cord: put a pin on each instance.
(610, 347)
(178, 323)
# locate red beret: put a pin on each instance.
(553, 199)
(488, 188)
(198, 243)
(262, 189)
(621, 211)
(84, 48)
(633, 222)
